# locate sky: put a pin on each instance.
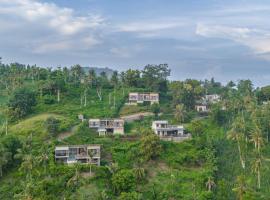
(227, 40)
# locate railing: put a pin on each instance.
(169, 127)
(176, 138)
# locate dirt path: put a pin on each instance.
(67, 134)
(137, 116)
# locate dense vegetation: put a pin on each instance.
(226, 158)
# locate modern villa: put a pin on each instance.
(78, 154)
(135, 98)
(107, 126)
(169, 132)
(212, 98)
(202, 108)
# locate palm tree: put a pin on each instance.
(74, 181)
(234, 135)
(113, 168)
(91, 154)
(5, 112)
(26, 193)
(266, 120)
(139, 173)
(241, 187)
(257, 138)
(25, 154)
(4, 158)
(43, 158)
(210, 183)
(256, 167)
(27, 165)
(180, 113)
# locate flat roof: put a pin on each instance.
(161, 121)
(107, 119)
(65, 147)
(143, 93)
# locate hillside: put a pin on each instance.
(42, 113)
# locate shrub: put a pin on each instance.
(48, 99)
(21, 102)
(155, 108)
(150, 146)
(123, 181)
(128, 196)
(52, 125)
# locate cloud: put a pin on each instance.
(126, 52)
(50, 15)
(148, 26)
(256, 39)
(46, 27)
(190, 48)
(163, 27)
(244, 9)
(82, 44)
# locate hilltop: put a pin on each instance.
(99, 70)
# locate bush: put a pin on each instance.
(150, 147)
(21, 102)
(48, 99)
(155, 108)
(52, 125)
(129, 196)
(123, 181)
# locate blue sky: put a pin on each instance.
(228, 40)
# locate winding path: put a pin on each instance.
(67, 134)
(137, 116)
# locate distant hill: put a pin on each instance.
(98, 70)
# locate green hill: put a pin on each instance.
(42, 109)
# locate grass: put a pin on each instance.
(35, 125)
(176, 169)
(132, 109)
(175, 172)
(70, 105)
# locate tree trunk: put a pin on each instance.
(85, 97)
(240, 155)
(99, 94)
(259, 178)
(58, 95)
(90, 170)
(6, 126)
(114, 100)
(6, 85)
(81, 101)
(41, 93)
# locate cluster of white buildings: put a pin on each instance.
(202, 106)
(90, 154)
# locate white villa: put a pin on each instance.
(212, 98)
(201, 108)
(135, 97)
(169, 132)
(107, 126)
(78, 154)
